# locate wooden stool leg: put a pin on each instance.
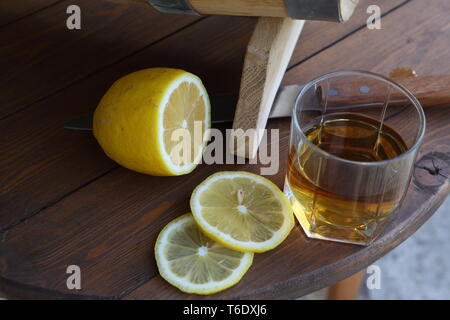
(346, 289)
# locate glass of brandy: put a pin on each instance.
(353, 144)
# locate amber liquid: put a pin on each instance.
(340, 200)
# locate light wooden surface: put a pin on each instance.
(268, 54)
(21, 9)
(346, 289)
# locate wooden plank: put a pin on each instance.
(420, 43)
(318, 35)
(308, 264)
(252, 108)
(39, 152)
(267, 8)
(109, 226)
(11, 11)
(115, 30)
(305, 265)
(46, 154)
(39, 55)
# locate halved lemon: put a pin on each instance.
(154, 121)
(242, 211)
(193, 263)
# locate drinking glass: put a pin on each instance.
(353, 143)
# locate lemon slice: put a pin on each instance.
(193, 263)
(242, 211)
(154, 121)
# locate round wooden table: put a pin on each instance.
(63, 202)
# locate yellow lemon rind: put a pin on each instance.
(165, 273)
(128, 122)
(225, 240)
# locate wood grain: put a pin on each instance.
(54, 61)
(11, 11)
(337, 261)
(39, 152)
(318, 35)
(429, 90)
(268, 54)
(63, 172)
(40, 56)
(107, 222)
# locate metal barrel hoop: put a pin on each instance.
(173, 6)
(327, 10)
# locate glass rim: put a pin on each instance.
(404, 90)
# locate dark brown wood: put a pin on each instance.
(41, 152)
(109, 228)
(308, 265)
(418, 42)
(139, 3)
(11, 11)
(63, 202)
(431, 90)
(58, 49)
(60, 167)
(319, 35)
(40, 56)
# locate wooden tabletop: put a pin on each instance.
(63, 202)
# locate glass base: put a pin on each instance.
(323, 231)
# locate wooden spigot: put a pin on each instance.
(268, 53)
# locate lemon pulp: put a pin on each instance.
(191, 118)
(194, 263)
(242, 211)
